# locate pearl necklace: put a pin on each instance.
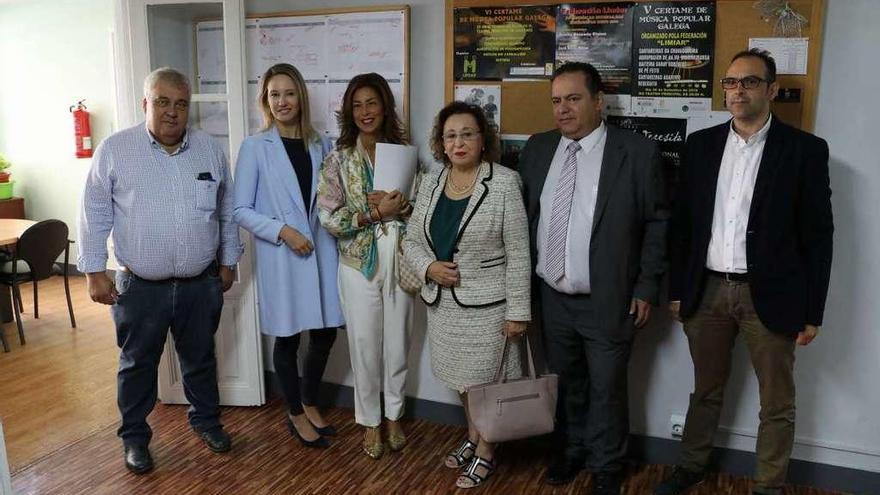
(459, 189)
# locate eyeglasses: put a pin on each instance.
(748, 82)
(467, 136)
(163, 103)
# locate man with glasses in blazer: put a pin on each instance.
(750, 254)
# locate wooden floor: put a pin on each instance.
(61, 385)
(265, 460)
(57, 400)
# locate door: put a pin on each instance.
(5, 478)
(156, 33)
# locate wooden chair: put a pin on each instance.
(34, 260)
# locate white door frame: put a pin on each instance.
(5, 478)
(238, 341)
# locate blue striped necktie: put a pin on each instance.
(557, 231)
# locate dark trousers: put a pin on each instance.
(143, 314)
(725, 311)
(302, 392)
(592, 369)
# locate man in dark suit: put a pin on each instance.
(750, 252)
(597, 223)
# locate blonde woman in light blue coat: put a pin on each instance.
(296, 259)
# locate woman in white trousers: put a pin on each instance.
(369, 226)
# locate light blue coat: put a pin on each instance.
(295, 292)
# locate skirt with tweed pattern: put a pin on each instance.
(466, 343)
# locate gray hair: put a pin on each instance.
(168, 75)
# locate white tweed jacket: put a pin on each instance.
(492, 247)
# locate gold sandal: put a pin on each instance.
(396, 439)
(375, 448)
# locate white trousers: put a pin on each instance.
(378, 316)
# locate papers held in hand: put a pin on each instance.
(395, 168)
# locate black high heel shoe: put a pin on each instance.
(325, 431)
(318, 443)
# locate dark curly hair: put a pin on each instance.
(491, 147)
(392, 129)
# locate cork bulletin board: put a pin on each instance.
(526, 105)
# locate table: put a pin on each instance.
(10, 231)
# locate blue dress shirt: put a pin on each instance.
(170, 214)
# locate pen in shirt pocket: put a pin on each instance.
(205, 176)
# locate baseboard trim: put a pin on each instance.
(642, 449)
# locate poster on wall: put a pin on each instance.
(669, 134)
(511, 147)
(672, 49)
(485, 96)
(495, 43)
(599, 34)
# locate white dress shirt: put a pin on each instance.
(577, 245)
(733, 200)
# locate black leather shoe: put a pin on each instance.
(138, 459)
(563, 471)
(318, 443)
(679, 481)
(217, 439)
(607, 483)
(767, 491)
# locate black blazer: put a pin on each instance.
(790, 227)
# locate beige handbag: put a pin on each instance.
(407, 278)
(509, 410)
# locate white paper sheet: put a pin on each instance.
(396, 166)
(790, 54)
(711, 119)
(670, 107)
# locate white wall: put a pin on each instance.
(836, 375)
(53, 53)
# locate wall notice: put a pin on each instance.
(673, 45)
(495, 43)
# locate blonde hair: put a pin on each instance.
(305, 125)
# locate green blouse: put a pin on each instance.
(445, 223)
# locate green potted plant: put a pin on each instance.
(5, 183)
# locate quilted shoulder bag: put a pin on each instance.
(407, 278)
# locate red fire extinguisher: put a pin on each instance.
(82, 130)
